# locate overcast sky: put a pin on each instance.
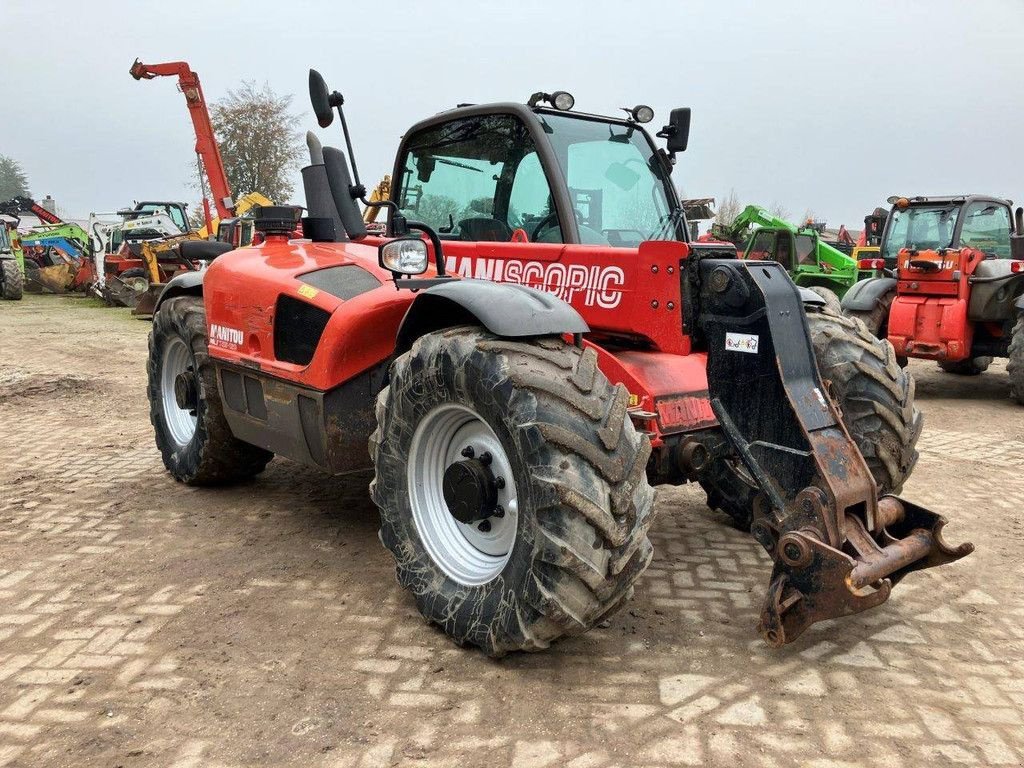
(828, 106)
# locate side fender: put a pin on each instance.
(864, 295)
(185, 284)
(504, 309)
(807, 296)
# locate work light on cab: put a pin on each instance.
(563, 101)
(641, 113)
(405, 256)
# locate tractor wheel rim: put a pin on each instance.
(137, 284)
(180, 422)
(465, 553)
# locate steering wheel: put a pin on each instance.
(547, 221)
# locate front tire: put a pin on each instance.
(574, 493)
(1015, 365)
(12, 282)
(830, 297)
(972, 366)
(875, 396)
(185, 409)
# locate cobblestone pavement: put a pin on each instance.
(145, 623)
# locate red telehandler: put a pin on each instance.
(957, 296)
(531, 345)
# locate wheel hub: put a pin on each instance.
(185, 391)
(470, 491)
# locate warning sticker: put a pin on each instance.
(741, 342)
(308, 291)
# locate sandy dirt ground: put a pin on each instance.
(144, 623)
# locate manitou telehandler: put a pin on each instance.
(958, 293)
(522, 376)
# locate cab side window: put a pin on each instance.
(477, 179)
(986, 227)
(805, 251)
(762, 248)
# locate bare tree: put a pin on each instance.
(729, 208)
(778, 210)
(13, 181)
(259, 140)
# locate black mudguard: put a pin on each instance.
(185, 284)
(504, 309)
(865, 295)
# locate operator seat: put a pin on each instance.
(485, 228)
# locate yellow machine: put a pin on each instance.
(381, 192)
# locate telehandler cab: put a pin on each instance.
(957, 296)
(531, 346)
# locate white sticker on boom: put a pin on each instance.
(821, 398)
(741, 342)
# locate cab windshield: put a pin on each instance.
(920, 227)
(480, 178)
(617, 196)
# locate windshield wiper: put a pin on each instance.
(668, 221)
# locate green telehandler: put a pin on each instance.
(812, 263)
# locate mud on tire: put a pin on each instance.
(11, 279)
(213, 456)
(584, 504)
(1015, 365)
(875, 396)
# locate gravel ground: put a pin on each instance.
(145, 623)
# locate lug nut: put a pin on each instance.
(485, 458)
(468, 452)
(499, 511)
(499, 482)
(485, 526)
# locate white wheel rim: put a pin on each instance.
(465, 553)
(180, 422)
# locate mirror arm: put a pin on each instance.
(419, 226)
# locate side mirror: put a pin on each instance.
(320, 98)
(677, 132)
(404, 256)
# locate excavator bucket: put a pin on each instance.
(146, 301)
(58, 278)
(838, 547)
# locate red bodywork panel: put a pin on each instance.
(622, 294)
(928, 318)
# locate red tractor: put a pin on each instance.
(958, 294)
(531, 346)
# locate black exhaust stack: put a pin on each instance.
(323, 224)
(345, 188)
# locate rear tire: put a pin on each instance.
(876, 320)
(196, 444)
(582, 504)
(12, 283)
(875, 396)
(1015, 366)
(972, 366)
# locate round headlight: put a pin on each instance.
(407, 256)
(642, 113)
(562, 100)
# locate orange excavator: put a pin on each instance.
(181, 249)
(207, 151)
